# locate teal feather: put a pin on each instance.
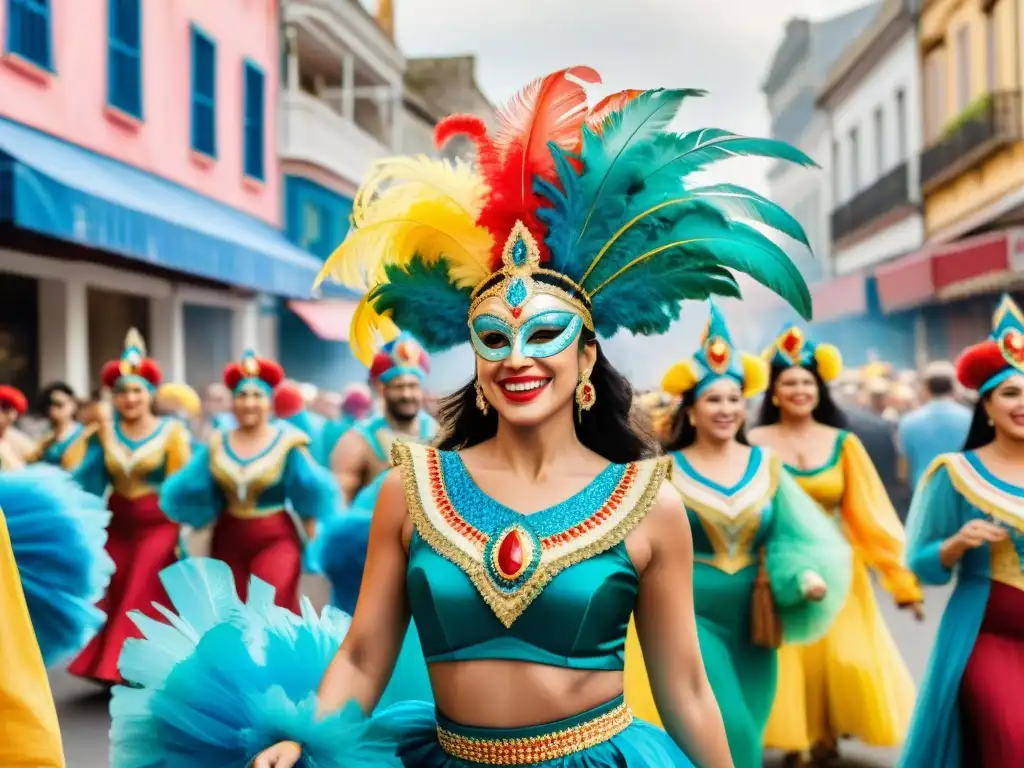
(622, 223)
(423, 301)
(681, 155)
(750, 206)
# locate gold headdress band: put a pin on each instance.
(520, 264)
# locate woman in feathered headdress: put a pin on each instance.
(852, 682)
(966, 518)
(257, 484)
(769, 566)
(131, 456)
(577, 223)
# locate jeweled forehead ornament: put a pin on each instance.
(517, 280)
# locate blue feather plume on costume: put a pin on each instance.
(223, 680)
(58, 535)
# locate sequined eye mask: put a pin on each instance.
(494, 339)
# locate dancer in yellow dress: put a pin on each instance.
(852, 682)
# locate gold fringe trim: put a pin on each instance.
(509, 607)
(531, 750)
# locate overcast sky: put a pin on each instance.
(722, 46)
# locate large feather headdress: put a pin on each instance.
(592, 204)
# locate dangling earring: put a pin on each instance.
(586, 395)
(991, 422)
(481, 401)
(775, 401)
(693, 422)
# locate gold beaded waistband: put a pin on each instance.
(536, 749)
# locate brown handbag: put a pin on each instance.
(765, 627)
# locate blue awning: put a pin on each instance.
(63, 191)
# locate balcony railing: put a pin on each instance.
(993, 124)
(314, 132)
(890, 192)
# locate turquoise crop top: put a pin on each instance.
(555, 587)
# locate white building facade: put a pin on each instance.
(873, 100)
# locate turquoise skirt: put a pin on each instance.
(624, 742)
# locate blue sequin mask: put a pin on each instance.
(547, 328)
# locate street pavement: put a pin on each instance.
(82, 707)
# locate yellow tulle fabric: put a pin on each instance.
(29, 734)
(853, 682)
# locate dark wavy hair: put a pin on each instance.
(826, 412)
(684, 434)
(981, 432)
(607, 429)
(43, 401)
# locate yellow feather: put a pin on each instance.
(829, 361)
(755, 374)
(414, 207)
(134, 339)
(679, 378)
(457, 182)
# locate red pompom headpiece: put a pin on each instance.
(133, 362)
(253, 367)
(11, 397)
(288, 400)
(983, 366)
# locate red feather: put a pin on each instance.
(980, 363)
(608, 106)
(550, 109)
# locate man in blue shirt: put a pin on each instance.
(939, 426)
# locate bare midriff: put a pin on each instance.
(514, 694)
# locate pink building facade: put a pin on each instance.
(142, 185)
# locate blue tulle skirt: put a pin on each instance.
(341, 556)
(223, 680)
(58, 536)
(413, 725)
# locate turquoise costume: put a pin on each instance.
(256, 506)
(64, 452)
(766, 511)
(968, 710)
(577, 222)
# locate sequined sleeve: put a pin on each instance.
(29, 734)
(872, 524)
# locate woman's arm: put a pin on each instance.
(667, 628)
(362, 667)
(872, 524)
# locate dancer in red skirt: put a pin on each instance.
(259, 483)
(967, 519)
(131, 456)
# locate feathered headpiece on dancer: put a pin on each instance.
(568, 207)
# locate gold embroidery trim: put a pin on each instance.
(963, 487)
(509, 607)
(740, 530)
(531, 750)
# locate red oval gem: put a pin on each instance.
(510, 555)
(517, 311)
